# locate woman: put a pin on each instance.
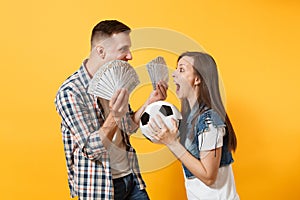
(206, 134)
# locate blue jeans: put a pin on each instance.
(126, 189)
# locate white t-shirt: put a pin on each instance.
(119, 163)
(224, 186)
(118, 157)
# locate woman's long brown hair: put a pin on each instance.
(209, 94)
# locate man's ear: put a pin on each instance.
(100, 51)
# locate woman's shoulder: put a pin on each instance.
(207, 118)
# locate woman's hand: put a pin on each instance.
(161, 133)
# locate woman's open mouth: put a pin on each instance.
(177, 86)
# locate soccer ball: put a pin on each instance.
(165, 110)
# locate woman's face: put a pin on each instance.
(185, 78)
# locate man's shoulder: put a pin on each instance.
(72, 85)
(71, 82)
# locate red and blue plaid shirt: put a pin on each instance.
(88, 166)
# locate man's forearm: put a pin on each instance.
(137, 115)
(108, 130)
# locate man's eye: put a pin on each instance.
(124, 49)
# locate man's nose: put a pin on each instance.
(129, 56)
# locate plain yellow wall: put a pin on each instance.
(256, 46)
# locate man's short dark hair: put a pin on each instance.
(107, 28)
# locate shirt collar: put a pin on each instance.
(84, 75)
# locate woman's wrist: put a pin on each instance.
(177, 148)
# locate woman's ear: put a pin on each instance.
(100, 51)
(197, 81)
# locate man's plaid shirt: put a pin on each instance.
(88, 166)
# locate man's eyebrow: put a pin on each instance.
(125, 46)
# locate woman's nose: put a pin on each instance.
(174, 73)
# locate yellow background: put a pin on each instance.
(256, 46)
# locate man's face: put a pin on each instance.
(117, 47)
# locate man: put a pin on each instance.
(101, 163)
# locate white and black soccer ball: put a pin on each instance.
(165, 110)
